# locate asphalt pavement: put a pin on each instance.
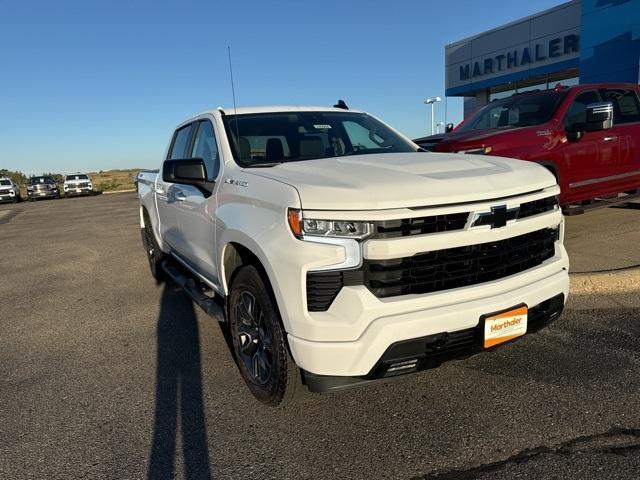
(106, 375)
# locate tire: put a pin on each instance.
(155, 256)
(259, 341)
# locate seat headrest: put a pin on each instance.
(311, 147)
(275, 151)
(245, 149)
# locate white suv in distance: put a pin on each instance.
(77, 184)
(9, 191)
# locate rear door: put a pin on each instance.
(196, 212)
(169, 195)
(589, 161)
(626, 128)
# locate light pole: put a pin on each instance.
(431, 101)
(438, 125)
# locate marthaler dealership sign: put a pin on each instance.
(530, 49)
(507, 60)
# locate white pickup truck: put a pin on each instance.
(342, 253)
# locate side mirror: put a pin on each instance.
(599, 116)
(448, 128)
(191, 171)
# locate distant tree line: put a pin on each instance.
(21, 179)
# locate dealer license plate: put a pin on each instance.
(505, 326)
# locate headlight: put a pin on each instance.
(478, 151)
(310, 227)
(30, 187)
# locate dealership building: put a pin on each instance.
(581, 41)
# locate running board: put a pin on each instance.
(597, 203)
(191, 285)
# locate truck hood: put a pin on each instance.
(384, 181)
(474, 138)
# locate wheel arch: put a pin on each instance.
(236, 255)
(552, 167)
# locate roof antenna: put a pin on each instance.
(341, 105)
(235, 113)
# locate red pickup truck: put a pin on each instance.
(587, 135)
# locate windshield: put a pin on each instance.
(267, 139)
(516, 111)
(5, 182)
(76, 177)
(34, 180)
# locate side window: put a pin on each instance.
(625, 105)
(180, 143)
(577, 112)
(205, 147)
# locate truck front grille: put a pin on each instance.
(536, 207)
(421, 225)
(405, 227)
(458, 267)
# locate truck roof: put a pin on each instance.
(584, 86)
(278, 109)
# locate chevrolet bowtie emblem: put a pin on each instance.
(497, 218)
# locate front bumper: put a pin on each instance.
(43, 194)
(388, 321)
(418, 354)
(7, 197)
(76, 192)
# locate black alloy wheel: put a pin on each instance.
(155, 256)
(255, 342)
(259, 340)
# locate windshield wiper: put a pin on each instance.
(263, 165)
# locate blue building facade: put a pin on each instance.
(580, 41)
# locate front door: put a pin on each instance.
(196, 211)
(592, 158)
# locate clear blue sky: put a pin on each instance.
(90, 85)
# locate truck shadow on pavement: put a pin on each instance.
(178, 391)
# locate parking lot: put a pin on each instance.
(105, 374)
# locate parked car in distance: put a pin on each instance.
(77, 184)
(342, 253)
(42, 187)
(587, 135)
(9, 191)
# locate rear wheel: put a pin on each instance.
(155, 256)
(259, 340)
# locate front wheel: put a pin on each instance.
(259, 340)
